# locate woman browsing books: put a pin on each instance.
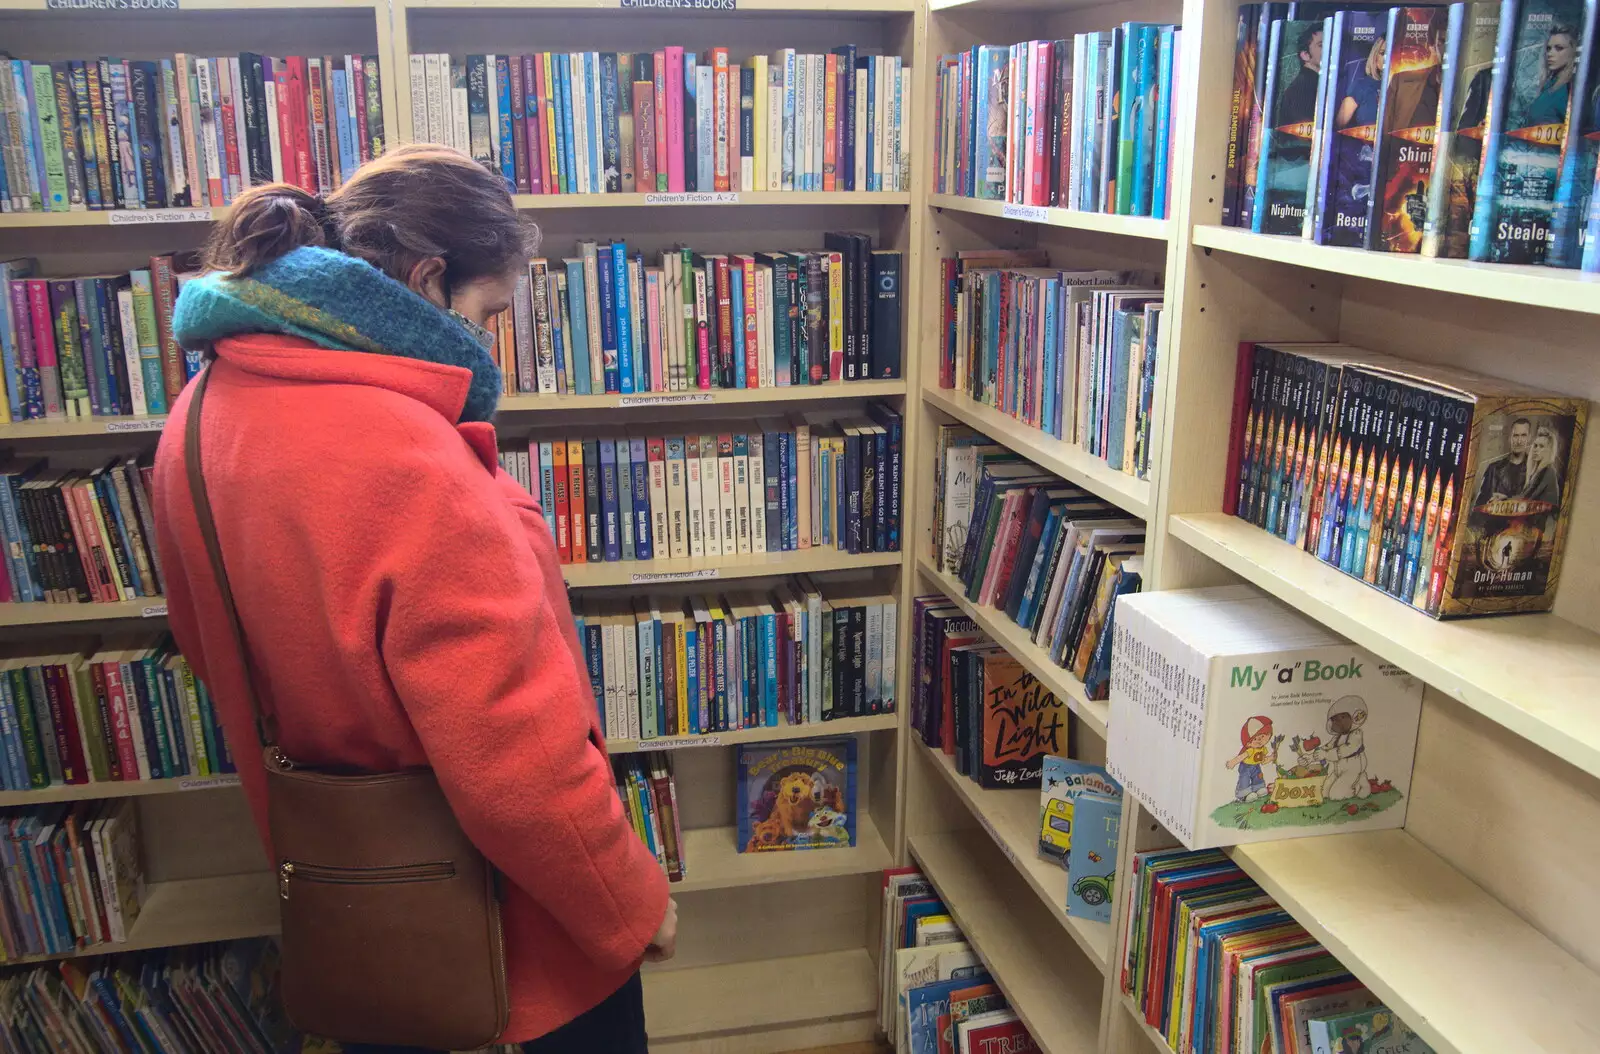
(400, 596)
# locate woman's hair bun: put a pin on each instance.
(266, 222)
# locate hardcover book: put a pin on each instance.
(1064, 781)
(1408, 116)
(1465, 76)
(796, 796)
(1294, 74)
(1348, 133)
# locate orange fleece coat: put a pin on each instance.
(403, 606)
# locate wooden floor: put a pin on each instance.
(850, 1048)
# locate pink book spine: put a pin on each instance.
(533, 124)
(752, 354)
(652, 295)
(675, 182)
(1038, 72)
(661, 119)
(991, 579)
(702, 354)
(44, 347)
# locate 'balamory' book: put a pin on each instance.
(1063, 782)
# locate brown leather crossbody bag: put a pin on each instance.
(390, 916)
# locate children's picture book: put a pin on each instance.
(993, 1032)
(797, 796)
(1063, 780)
(926, 1004)
(1092, 861)
(1536, 58)
(1407, 116)
(1375, 1031)
(1465, 76)
(1284, 728)
(918, 967)
(1294, 73)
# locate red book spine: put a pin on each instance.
(751, 324)
(44, 345)
(519, 127)
(947, 332)
(109, 675)
(580, 553)
(64, 717)
(644, 136)
(97, 563)
(280, 87)
(80, 538)
(1242, 368)
(830, 146)
(724, 294)
(558, 480)
(358, 71)
(302, 138)
(230, 140)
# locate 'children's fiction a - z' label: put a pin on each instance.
(154, 611)
(143, 424)
(664, 400)
(675, 576)
(695, 197)
(207, 782)
(131, 217)
(679, 744)
(1034, 213)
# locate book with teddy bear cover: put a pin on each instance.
(797, 795)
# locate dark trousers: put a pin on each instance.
(614, 1026)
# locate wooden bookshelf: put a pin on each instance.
(1046, 216)
(40, 614)
(715, 861)
(1157, 1040)
(830, 7)
(1457, 966)
(811, 561)
(1067, 460)
(684, 1004)
(1534, 674)
(160, 218)
(1011, 818)
(117, 789)
(68, 427)
(724, 199)
(782, 733)
(799, 393)
(994, 623)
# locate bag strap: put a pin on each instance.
(266, 722)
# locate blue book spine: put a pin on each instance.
(611, 532)
(1047, 401)
(108, 499)
(106, 321)
(344, 125)
(1485, 202)
(544, 469)
(591, 118)
(785, 442)
(1149, 57)
(874, 177)
(1591, 244)
(719, 673)
(1158, 179)
(625, 497)
(593, 656)
(577, 313)
(564, 115)
(1258, 213)
(608, 318)
(769, 671)
(704, 109)
(16, 383)
(22, 79)
(508, 154)
(691, 676)
(639, 467)
(624, 317)
(1117, 399)
(736, 297)
(791, 491)
(15, 777)
(38, 136)
(1569, 220)
(770, 462)
(846, 167)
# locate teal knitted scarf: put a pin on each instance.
(337, 302)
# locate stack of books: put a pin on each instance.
(205, 999)
(76, 536)
(92, 346)
(1270, 985)
(73, 878)
(606, 321)
(1080, 827)
(125, 708)
(1235, 719)
(1447, 490)
(1083, 124)
(977, 703)
(649, 794)
(794, 654)
(766, 486)
(670, 121)
(1418, 129)
(182, 132)
(1049, 554)
(1071, 353)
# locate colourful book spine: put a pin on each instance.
(624, 319)
(674, 116)
(1569, 220)
(507, 125)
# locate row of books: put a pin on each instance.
(76, 537)
(181, 132)
(1461, 131)
(649, 794)
(93, 345)
(1236, 719)
(1269, 985)
(795, 796)
(977, 704)
(793, 654)
(119, 709)
(1050, 555)
(605, 321)
(1082, 124)
(937, 995)
(1071, 353)
(1445, 489)
(670, 121)
(1080, 828)
(201, 999)
(772, 486)
(71, 879)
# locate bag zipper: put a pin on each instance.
(436, 871)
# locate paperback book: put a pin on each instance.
(797, 796)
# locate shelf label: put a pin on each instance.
(130, 217)
(675, 576)
(153, 611)
(144, 424)
(111, 5)
(681, 5)
(680, 744)
(1035, 213)
(696, 197)
(1001, 842)
(664, 400)
(207, 782)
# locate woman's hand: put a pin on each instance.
(665, 943)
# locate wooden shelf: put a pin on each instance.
(724, 200)
(111, 217)
(844, 726)
(51, 614)
(1534, 674)
(799, 393)
(1060, 1008)
(1066, 460)
(195, 911)
(1151, 1034)
(117, 789)
(828, 7)
(1552, 287)
(1454, 963)
(62, 427)
(1074, 219)
(1011, 818)
(221, 5)
(716, 863)
(763, 993)
(815, 560)
(1093, 713)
